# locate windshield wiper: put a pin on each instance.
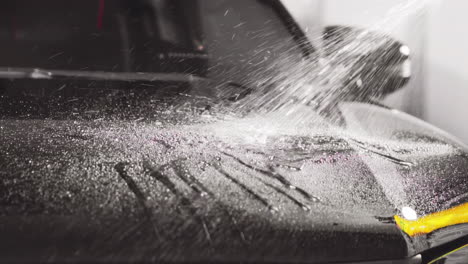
(36, 73)
(387, 156)
(245, 91)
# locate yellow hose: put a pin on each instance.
(429, 223)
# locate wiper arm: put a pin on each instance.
(246, 90)
(36, 73)
(380, 153)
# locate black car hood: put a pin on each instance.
(108, 190)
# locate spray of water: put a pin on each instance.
(297, 93)
(304, 98)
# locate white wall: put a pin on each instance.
(309, 15)
(446, 93)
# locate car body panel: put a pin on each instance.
(179, 192)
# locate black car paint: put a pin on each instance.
(76, 180)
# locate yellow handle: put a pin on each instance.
(429, 223)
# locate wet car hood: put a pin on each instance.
(115, 190)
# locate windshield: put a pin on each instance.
(72, 49)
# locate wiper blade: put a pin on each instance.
(36, 73)
(246, 90)
(379, 153)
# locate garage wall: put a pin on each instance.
(446, 94)
(309, 14)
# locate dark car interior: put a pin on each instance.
(123, 36)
